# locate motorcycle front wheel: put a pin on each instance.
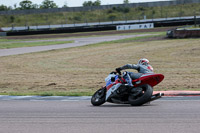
(140, 95)
(99, 97)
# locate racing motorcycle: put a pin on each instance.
(117, 91)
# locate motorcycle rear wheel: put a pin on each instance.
(143, 97)
(99, 97)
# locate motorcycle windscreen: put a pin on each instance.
(109, 82)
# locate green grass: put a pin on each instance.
(81, 71)
(46, 93)
(190, 27)
(6, 44)
(113, 14)
(131, 39)
(128, 40)
(16, 43)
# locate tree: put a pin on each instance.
(26, 4)
(90, 3)
(126, 1)
(97, 3)
(65, 4)
(87, 3)
(112, 16)
(15, 6)
(5, 8)
(35, 6)
(48, 4)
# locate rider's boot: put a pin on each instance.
(130, 87)
(128, 79)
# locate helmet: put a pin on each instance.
(143, 61)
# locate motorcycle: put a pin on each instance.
(117, 91)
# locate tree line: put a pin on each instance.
(27, 4)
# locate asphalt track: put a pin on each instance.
(77, 42)
(167, 115)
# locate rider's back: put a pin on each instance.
(139, 67)
(145, 68)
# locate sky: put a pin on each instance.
(72, 3)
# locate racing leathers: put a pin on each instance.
(129, 76)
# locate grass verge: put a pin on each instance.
(6, 44)
(47, 93)
(81, 70)
(133, 39)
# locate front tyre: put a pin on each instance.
(99, 97)
(144, 95)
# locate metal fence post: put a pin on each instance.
(37, 26)
(195, 20)
(99, 21)
(13, 27)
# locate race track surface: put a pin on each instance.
(161, 116)
(77, 42)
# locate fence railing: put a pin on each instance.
(196, 20)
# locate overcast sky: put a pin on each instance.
(72, 3)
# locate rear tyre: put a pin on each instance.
(140, 95)
(99, 97)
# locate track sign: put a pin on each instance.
(135, 26)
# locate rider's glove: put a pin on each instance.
(118, 70)
(113, 72)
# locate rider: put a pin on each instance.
(142, 67)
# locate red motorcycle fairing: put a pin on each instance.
(116, 82)
(148, 78)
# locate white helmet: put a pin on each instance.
(143, 61)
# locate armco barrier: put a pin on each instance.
(2, 33)
(88, 28)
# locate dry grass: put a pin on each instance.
(82, 70)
